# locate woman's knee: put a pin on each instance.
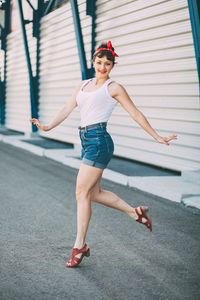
(82, 193)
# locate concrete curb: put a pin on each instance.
(191, 201)
(167, 187)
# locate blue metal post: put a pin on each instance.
(37, 15)
(4, 32)
(91, 11)
(79, 39)
(194, 9)
(33, 95)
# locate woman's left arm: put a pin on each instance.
(119, 93)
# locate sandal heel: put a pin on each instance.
(87, 254)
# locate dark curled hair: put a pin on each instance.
(103, 53)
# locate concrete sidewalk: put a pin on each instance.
(183, 187)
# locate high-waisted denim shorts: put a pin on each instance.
(97, 145)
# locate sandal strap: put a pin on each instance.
(141, 216)
(76, 251)
(74, 260)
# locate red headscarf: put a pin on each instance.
(109, 48)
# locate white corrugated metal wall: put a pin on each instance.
(18, 108)
(157, 66)
(1, 65)
(60, 67)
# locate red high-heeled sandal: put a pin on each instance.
(75, 261)
(142, 217)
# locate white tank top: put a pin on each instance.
(97, 106)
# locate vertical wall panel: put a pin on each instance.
(60, 67)
(157, 67)
(18, 109)
(1, 65)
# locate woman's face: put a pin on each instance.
(102, 67)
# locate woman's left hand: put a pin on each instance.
(166, 139)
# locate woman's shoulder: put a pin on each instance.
(114, 88)
(114, 84)
(78, 88)
(81, 84)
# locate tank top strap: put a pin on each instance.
(85, 83)
(108, 82)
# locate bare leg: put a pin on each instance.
(86, 180)
(110, 199)
(88, 190)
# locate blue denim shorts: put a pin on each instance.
(97, 145)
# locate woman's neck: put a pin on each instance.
(100, 81)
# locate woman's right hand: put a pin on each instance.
(36, 122)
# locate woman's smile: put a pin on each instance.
(103, 72)
(102, 66)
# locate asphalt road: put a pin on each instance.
(38, 226)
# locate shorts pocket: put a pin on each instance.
(90, 135)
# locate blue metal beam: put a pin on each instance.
(79, 39)
(91, 11)
(194, 9)
(32, 87)
(49, 6)
(31, 5)
(37, 15)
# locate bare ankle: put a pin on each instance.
(132, 213)
(79, 244)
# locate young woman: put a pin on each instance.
(96, 99)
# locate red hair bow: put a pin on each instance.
(109, 48)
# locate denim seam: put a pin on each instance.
(98, 151)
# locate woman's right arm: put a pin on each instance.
(62, 114)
